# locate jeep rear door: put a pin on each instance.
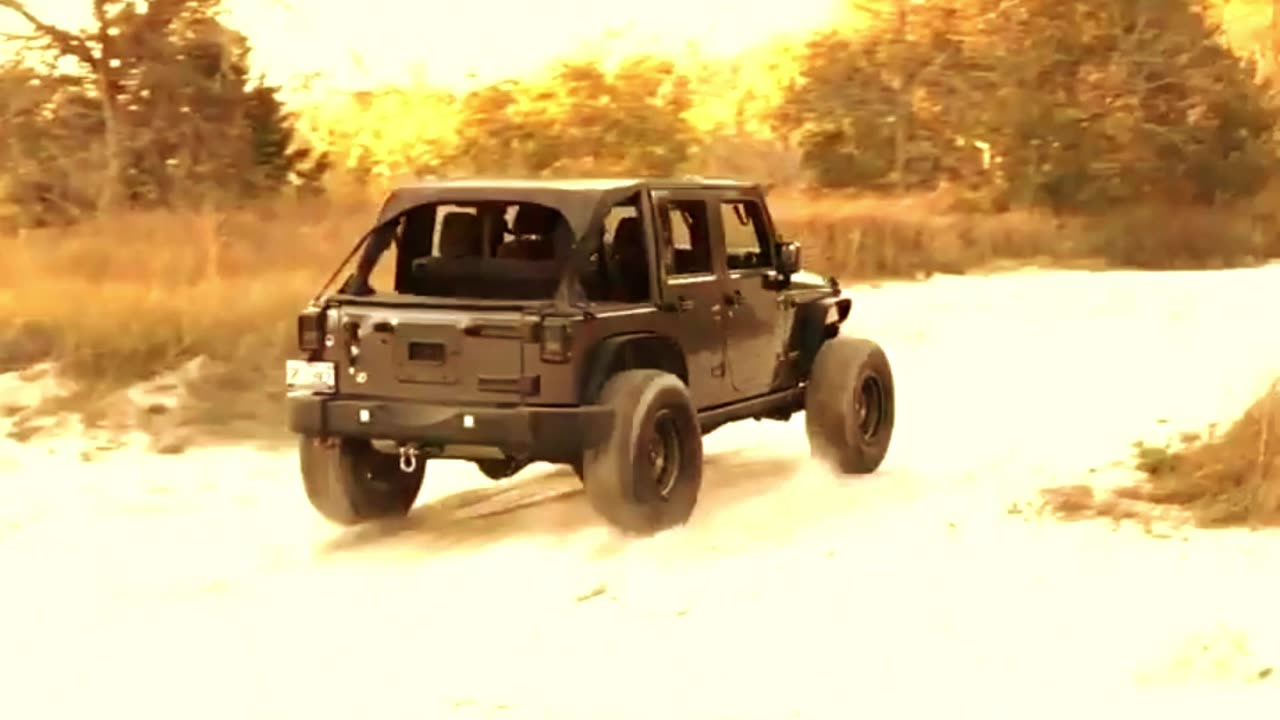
(692, 291)
(756, 325)
(432, 354)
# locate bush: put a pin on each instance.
(1162, 238)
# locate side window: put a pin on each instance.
(687, 245)
(746, 242)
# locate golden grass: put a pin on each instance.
(1230, 478)
(119, 299)
(163, 285)
(855, 237)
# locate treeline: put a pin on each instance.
(1073, 106)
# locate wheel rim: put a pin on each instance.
(662, 453)
(871, 407)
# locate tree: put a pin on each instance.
(1116, 101)
(386, 132)
(167, 93)
(42, 153)
(1083, 105)
(582, 120)
(873, 105)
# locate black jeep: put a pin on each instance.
(607, 324)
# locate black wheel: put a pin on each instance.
(646, 476)
(849, 405)
(500, 469)
(349, 482)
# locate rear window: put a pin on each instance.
(493, 250)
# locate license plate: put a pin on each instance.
(304, 376)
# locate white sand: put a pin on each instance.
(203, 585)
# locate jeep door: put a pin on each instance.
(692, 292)
(756, 325)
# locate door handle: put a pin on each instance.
(680, 304)
(733, 299)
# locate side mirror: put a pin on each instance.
(788, 258)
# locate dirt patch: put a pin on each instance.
(144, 566)
(170, 413)
(1220, 479)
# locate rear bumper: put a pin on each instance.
(536, 433)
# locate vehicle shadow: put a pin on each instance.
(549, 503)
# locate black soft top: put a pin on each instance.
(582, 201)
(579, 201)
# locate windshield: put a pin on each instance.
(497, 250)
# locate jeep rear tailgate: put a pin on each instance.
(441, 354)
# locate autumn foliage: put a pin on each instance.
(1075, 107)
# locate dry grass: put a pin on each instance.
(119, 299)
(1228, 478)
(868, 237)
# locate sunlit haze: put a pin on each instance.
(458, 44)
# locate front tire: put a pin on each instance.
(646, 476)
(349, 482)
(849, 405)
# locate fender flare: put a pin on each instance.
(629, 351)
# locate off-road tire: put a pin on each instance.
(349, 482)
(850, 377)
(653, 415)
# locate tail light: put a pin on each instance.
(311, 330)
(556, 340)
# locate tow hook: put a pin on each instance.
(408, 458)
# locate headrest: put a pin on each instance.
(460, 235)
(628, 231)
(535, 220)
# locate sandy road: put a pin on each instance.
(203, 585)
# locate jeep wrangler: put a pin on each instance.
(605, 324)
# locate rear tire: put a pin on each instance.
(349, 482)
(849, 405)
(646, 476)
